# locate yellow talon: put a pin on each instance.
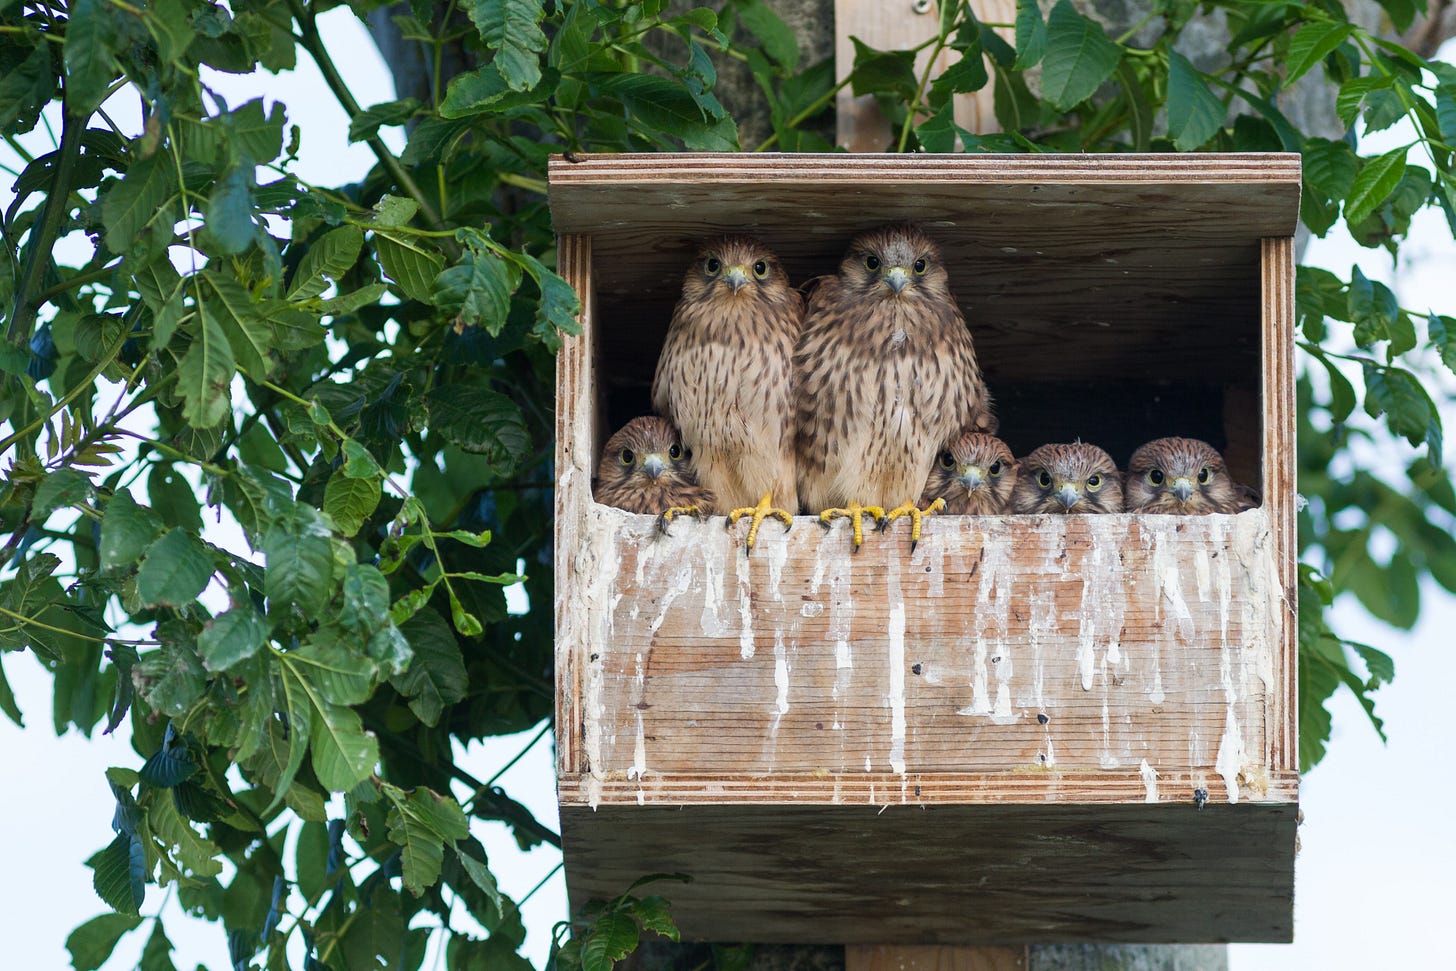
(916, 514)
(764, 510)
(855, 513)
(666, 516)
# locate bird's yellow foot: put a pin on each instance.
(855, 513)
(764, 510)
(667, 516)
(916, 514)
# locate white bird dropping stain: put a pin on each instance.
(1230, 755)
(638, 767)
(745, 613)
(1150, 781)
(896, 634)
(980, 696)
(781, 680)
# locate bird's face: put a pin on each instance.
(648, 454)
(1076, 478)
(734, 268)
(979, 467)
(894, 263)
(1181, 476)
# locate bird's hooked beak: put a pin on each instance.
(654, 465)
(1068, 495)
(737, 277)
(898, 278)
(1183, 488)
(971, 477)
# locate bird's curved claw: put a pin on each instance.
(665, 518)
(855, 513)
(916, 515)
(764, 510)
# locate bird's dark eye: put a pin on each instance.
(674, 452)
(627, 456)
(1155, 476)
(1094, 482)
(1043, 479)
(712, 266)
(920, 265)
(995, 468)
(947, 460)
(760, 269)
(872, 262)
(1204, 475)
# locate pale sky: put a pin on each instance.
(1375, 878)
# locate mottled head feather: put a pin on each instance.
(1182, 477)
(1068, 478)
(725, 260)
(877, 258)
(646, 469)
(975, 475)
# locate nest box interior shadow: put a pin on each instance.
(1031, 728)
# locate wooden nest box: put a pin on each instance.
(1032, 728)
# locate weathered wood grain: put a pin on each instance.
(948, 874)
(1277, 284)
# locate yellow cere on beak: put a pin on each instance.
(971, 477)
(737, 276)
(898, 278)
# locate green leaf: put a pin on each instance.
(248, 335)
(1442, 333)
(1329, 167)
(342, 675)
(882, 72)
(481, 876)
(1342, 393)
(965, 75)
(512, 29)
(1194, 114)
(1446, 112)
(63, 487)
(558, 306)
(90, 65)
(131, 206)
(92, 943)
(366, 124)
(168, 24)
(343, 753)
(667, 107)
(119, 873)
(1372, 307)
(1031, 35)
(477, 290)
(409, 264)
(229, 215)
(350, 502)
(1354, 92)
(436, 677)
(1376, 180)
(1311, 44)
(365, 597)
(768, 28)
(232, 637)
(1408, 409)
(1079, 57)
(421, 824)
(1140, 109)
(206, 372)
(300, 562)
(479, 421)
(174, 570)
(612, 937)
(156, 956)
(26, 88)
(326, 261)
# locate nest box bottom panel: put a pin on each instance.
(947, 874)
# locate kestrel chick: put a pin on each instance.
(974, 475)
(1075, 478)
(645, 469)
(884, 374)
(724, 377)
(1183, 477)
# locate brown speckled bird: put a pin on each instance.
(884, 374)
(1074, 478)
(1183, 477)
(974, 475)
(645, 469)
(724, 377)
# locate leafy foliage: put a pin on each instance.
(274, 450)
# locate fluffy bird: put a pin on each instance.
(645, 468)
(974, 475)
(724, 378)
(1075, 478)
(884, 374)
(1183, 477)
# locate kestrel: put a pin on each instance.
(724, 377)
(1075, 478)
(974, 475)
(884, 374)
(1183, 477)
(645, 469)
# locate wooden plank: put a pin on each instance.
(1277, 263)
(949, 874)
(909, 957)
(575, 449)
(1138, 643)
